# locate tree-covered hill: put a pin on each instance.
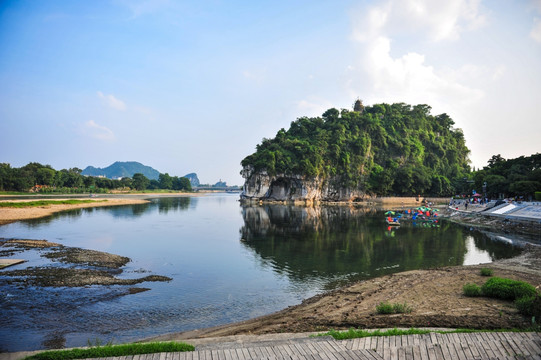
(382, 149)
(121, 169)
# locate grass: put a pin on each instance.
(359, 333)
(487, 272)
(387, 308)
(36, 203)
(112, 351)
(507, 289)
(472, 290)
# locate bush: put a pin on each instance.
(386, 308)
(529, 306)
(402, 308)
(538, 195)
(471, 290)
(487, 272)
(507, 289)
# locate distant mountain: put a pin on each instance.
(123, 169)
(194, 180)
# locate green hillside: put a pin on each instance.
(121, 169)
(383, 149)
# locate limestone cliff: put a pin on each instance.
(262, 186)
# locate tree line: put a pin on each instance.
(35, 177)
(509, 178)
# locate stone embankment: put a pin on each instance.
(517, 218)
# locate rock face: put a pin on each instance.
(280, 187)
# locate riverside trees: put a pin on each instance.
(43, 178)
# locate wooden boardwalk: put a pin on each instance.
(505, 345)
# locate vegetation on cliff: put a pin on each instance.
(383, 149)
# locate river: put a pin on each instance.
(228, 263)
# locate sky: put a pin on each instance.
(194, 86)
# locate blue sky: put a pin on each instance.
(193, 86)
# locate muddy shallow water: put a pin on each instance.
(227, 263)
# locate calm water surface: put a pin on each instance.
(228, 263)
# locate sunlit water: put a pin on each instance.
(228, 263)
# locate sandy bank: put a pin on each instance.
(8, 215)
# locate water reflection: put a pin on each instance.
(164, 205)
(339, 244)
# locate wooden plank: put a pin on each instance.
(416, 352)
(252, 354)
(536, 345)
(531, 346)
(380, 344)
(460, 351)
(231, 354)
(327, 350)
(445, 350)
(423, 351)
(371, 355)
(467, 348)
(484, 344)
(300, 350)
(393, 353)
(401, 353)
(430, 349)
(512, 344)
(498, 348)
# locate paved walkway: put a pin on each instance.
(505, 345)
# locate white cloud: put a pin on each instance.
(435, 20)
(409, 77)
(97, 131)
(536, 30)
(112, 101)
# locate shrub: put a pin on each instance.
(507, 289)
(538, 195)
(402, 308)
(387, 308)
(384, 308)
(529, 306)
(471, 290)
(487, 272)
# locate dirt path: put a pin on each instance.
(435, 296)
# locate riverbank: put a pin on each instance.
(9, 214)
(435, 296)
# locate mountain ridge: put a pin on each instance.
(122, 169)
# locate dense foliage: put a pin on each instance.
(120, 169)
(383, 149)
(36, 177)
(513, 177)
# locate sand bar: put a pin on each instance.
(8, 215)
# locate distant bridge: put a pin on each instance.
(218, 188)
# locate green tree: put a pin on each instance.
(166, 182)
(140, 181)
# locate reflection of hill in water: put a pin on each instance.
(332, 244)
